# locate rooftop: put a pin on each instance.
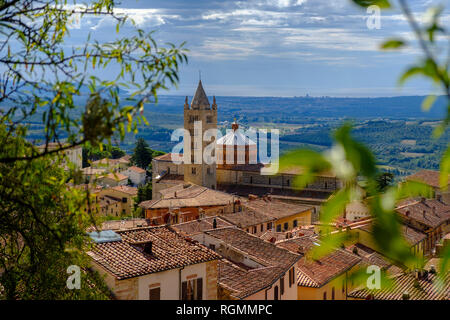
(116, 176)
(316, 273)
(201, 225)
(261, 251)
(137, 169)
(189, 195)
(200, 100)
(429, 212)
(427, 288)
(372, 257)
(247, 218)
(126, 189)
(126, 258)
(412, 236)
(428, 177)
(166, 157)
(241, 282)
(235, 138)
(275, 208)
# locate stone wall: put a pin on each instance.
(211, 280)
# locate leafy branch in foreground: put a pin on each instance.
(352, 162)
(43, 77)
(43, 222)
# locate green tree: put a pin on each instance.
(384, 180)
(144, 193)
(42, 228)
(116, 152)
(142, 154)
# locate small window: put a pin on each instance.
(279, 228)
(287, 182)
(286, 225)
(332, 293)
(269, 225)
(325, 295)
(281, 286)
(254, 229)
(155, 294)
(295, 223)
(194, 170)
(270, 181)
(212, 247)
(275, 293)
(209, 119)
(124, 200)
(262, 228)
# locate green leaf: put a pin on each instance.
(428, 102)
(445, 169)
(384, 4)
(392, 44)
(412, 71)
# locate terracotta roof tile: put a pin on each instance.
(427, 289)
(262, 251)
(275, 208)
(428, 177)
(242, 283)
(189, 195)
(126, 189)
(170, 250)
(429, 212)
(136, 169)
(316, 273)
(247, 218)
(166, 157)
(201, 225)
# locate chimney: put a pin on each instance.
(148, 247)
(175, 194)
(214, 223)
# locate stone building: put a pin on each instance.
(431, 178)
(200, 112)
(154, 263)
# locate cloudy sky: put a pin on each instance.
(276, 47)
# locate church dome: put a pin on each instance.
(235, 138)
(235, 148)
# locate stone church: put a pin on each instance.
(243, 177)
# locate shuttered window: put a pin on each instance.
(192, 289)
(155, 294)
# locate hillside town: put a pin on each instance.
(225, 231)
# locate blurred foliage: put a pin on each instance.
(352, 162)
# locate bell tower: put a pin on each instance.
(199, 117)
